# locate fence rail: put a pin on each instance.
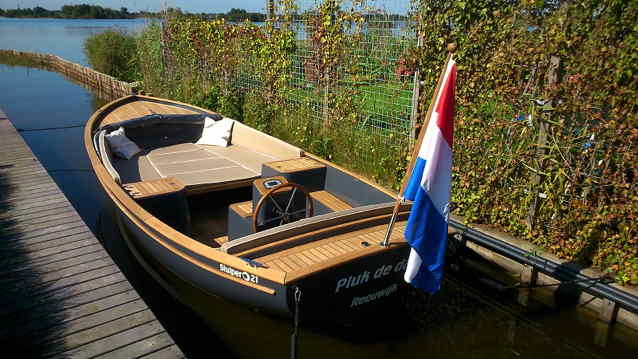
(105, 86)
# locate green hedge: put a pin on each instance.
(586, 199)
(113, 52)
(573, 193)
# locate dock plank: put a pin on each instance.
(143, 347)
(86, 316)
(26, 320)
(165, 353)
(114, 340)
(62, 293)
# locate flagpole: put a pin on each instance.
(451, 48)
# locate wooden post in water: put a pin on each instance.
(607, 315)
(529, 278)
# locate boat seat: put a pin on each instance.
(207, 166)
(193, 164)
(326, 202)
(188, 162)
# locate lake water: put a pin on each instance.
(465, 320)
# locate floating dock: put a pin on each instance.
(61, 293)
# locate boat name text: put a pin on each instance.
(374, 296)
(239, 274)
(366, 276)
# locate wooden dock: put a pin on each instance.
(61, 293)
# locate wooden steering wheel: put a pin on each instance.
(286, 213)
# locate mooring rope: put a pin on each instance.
(70, 170)
(294, 339)
(48, 128)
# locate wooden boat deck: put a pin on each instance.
(139, 109)
(62, 295)
(302, 260)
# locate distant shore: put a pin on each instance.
(73, 12)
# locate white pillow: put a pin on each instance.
(216, 133)
(121, 145)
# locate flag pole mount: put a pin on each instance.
(451, 48)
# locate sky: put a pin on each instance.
(193, 6)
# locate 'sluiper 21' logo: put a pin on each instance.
(239, 274)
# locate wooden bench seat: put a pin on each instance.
(330, 201)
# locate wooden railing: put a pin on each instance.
(105, 86)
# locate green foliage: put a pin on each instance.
(239, 15)
(114, 53)
(587, 206)
(149, 57)
(331, 101)
(258, 113)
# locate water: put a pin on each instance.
(61, 37)
(465, 320)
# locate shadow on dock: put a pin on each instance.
(190, 332)
(31, 314)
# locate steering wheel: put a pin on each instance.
(283, 207)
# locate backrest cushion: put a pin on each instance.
(121, 145)
(216, 133)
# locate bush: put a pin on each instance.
(562, 176)
(114, 53)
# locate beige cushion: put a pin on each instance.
(194, 165)
(248, 157)
(136, 169)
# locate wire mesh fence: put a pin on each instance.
(369, 85)
(333, 77)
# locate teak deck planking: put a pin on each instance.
(62, 293)
(303, 259)
(141, 108)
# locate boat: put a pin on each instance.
(252, 219)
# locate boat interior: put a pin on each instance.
(258, 197)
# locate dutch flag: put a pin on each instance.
(429, 189)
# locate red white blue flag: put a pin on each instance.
(429, 189)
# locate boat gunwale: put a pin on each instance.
(185, 246)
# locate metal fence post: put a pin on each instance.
(416, 93)
(541, 142)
